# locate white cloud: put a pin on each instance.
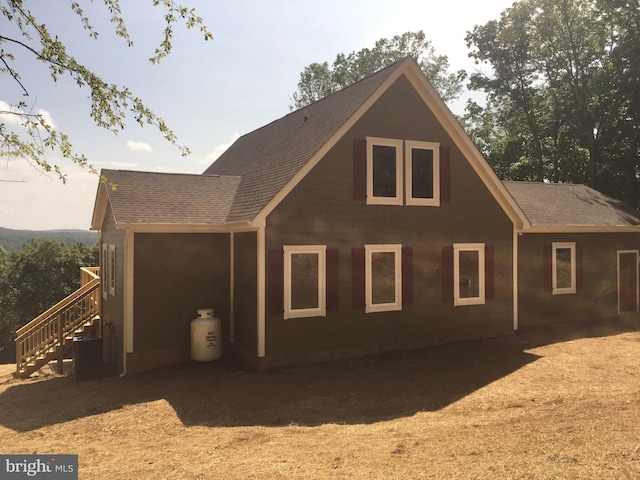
(138, 146)
(220, 149)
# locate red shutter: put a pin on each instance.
(407, 275)
(359, 169)
(445, 174)
(489, 284)
(357, 278)
(333, 278)
(447, 274)
(275, 277)
(547, 266)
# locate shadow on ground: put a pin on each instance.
(364, 390)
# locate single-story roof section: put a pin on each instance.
(569, 207)
(145, 198)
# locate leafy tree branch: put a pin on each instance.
(29, 136)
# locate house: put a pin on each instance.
(366, 222)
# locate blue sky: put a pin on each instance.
(209, 93)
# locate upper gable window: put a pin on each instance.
(422, 173)
(384, 171)
(402, 172)
(563, 268)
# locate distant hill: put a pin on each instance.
(15, 239)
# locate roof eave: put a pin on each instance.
(100, 207)
(581, 229)
(183, 228)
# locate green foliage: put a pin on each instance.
(563, 93)
(36, 278)
(319, 79)
(111, 103)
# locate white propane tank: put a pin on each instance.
(206, 336)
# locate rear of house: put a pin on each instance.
(366, 222)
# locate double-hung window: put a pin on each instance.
(305, 281)
(563, 267)
(469, 274)
(383, 278)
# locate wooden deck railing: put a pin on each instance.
(43, 338)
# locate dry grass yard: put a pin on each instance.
(542, 404)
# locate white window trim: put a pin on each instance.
(111, 269)
(369, 250)
(468, 247)
(435, 148)
(384, 142)
(321, 252)
(555, 246)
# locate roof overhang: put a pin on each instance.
(184, 228)
(581, 229)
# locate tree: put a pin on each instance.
(32, 135)
(562, 94)
(319, 79)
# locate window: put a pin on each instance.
(305, 281)
(111, 269)
(422, 173)
(383, 278)
(563, 268)
(384, 171)
(104, 271)
(469, 274)
(385, 184)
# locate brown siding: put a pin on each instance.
(246, 296)
(322, 210)
(596, 295)
(113, 305)
(176, 274)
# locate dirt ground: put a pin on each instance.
(561, 402)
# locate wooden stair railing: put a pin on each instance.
(43, 339)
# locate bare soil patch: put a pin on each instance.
(555, 402)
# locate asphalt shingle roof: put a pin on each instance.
(553, 204)
(170, 198)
